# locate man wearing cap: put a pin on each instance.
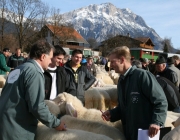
(164, 71)
(3, 66)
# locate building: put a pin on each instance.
(65, 36)
(137, 44)
(145, 53)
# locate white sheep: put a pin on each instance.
(105, 78)
(70, 105)
(175, 118)
(114, 76)
(2, 81)
(45, 133)
(111, 90)
(173, 134)
(93, 99)
(92, 126)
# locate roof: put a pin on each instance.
(145, 40)
(67, 32)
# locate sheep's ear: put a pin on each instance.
(70, 110)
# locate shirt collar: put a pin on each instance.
(124, 75)
(39, 66)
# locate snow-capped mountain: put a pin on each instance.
(99, 21)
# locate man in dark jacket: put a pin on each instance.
(164, 71)
(171, 92)
(141, 100)
(3, 66)
(79, 77)
(55, 76)
(16, 59)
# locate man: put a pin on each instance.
(22, 99)
(171, 66)
(16, 59)
(142, 102)
(177, 61)
(164, 71)
(55, 76)
(145, 63)
(171, 92)
(90, 65)
(79, 77)
(3, 66)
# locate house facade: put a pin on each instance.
(120, 40)
(67, 37)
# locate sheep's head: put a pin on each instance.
(65, 103)
(53, 107)
(60, 100)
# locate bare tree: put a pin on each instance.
(61, 31)
(42, 20)
(168, 47)
(3, 21)
(25, 13)
(93, 43)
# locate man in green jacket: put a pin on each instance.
(3, 66)
(22, 99)
(142, 102)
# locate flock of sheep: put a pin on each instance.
(85, 123)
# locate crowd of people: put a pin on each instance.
(145, 90)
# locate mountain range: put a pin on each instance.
(101, 21)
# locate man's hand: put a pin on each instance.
(61, 127)
(153, 130)
(106, 115)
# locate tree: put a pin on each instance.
(62, 31)
(9, 41)
(93, 43)
(25, 13)
(3, 21)
(168, 47)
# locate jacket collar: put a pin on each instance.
(38, 67)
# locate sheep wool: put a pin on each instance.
(91, 126)
(82, 112)
(93, 99)
(45, 133)
(173, 134)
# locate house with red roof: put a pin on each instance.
(65, 36)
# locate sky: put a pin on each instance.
(161, 15)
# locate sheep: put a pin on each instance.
(70, 105)
(91, 126)
(171, 117)
(111, 90)
(93, 99)
(45, 133)
(2, 81)
(105, 78)
(0, 91)
(114, 76)
(173, 134)
(98, 83)
(175, 118)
